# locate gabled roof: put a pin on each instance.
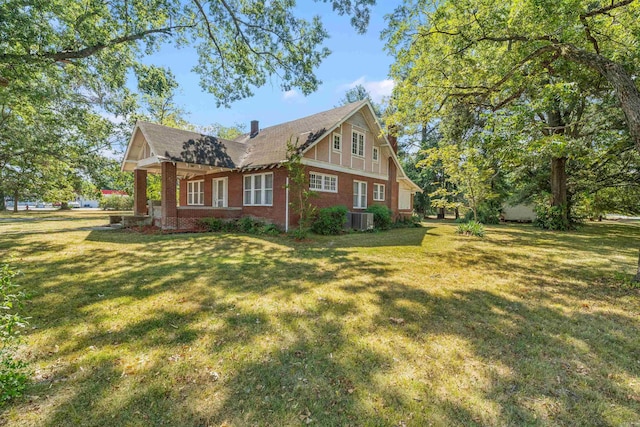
(191, 147)
(269, 146)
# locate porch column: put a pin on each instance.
(168, 196)
(139, 192)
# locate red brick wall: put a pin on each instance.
(140, 192)
(344, 196)
(276, 213)
(168, 193)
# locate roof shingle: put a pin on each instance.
(268, 147)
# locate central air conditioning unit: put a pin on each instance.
(362, 221)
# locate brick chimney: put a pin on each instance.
(255, 128)
(393, 139)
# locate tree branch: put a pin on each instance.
(65, 55)
(604, 10)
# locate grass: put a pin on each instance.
(416, 326)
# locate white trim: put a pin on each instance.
(337, 168)
(263, 188)
(126, 153)
(192, 192)
(323, 182)
(373, 158)
(381, 191)
(148, 161)
(225, 192)
(211, 208)
(359, 199)
(286, 206)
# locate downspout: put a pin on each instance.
(286, 207)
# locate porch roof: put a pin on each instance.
(191, 147)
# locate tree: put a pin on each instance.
(465, 170)
(57, 53)
(157, 89)
(224, 132)
(240, 43)
(490, 53)
(301, 195)
(478, 57)
(360, 93)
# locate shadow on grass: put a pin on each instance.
(213, 329)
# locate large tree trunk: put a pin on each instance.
(621, 81)
(440, 213)
(559, 186)
(559, 181)
(3, 205)
(15, 201)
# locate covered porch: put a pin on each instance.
(185, 155)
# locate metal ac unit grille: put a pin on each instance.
(362, 221)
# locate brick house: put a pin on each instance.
(348, 159)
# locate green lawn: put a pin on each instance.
(521, 327)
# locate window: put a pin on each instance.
(376, 154)
(337, 142)
(357, 143)
(359, 195)
(195, 193)
(220, 193)
(258, 189)
(322, 182)
(378, 192)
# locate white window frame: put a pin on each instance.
(215, 197)
(359, 190)
(358, 146)
(333, 142)
(378, 192)
(375, 154)
(253, 190)
(192, 192)
(324, 185)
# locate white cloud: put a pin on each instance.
(378, 89)
(291, 95)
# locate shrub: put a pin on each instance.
(243, 225)
(116, 203)
(488, 213)
(211, 224)
(408, 222)
(330, 220)
(555, 217)
(471, 228)
(13, 375)
(247, 224)
(381, 216)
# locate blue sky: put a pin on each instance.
(355, 58)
